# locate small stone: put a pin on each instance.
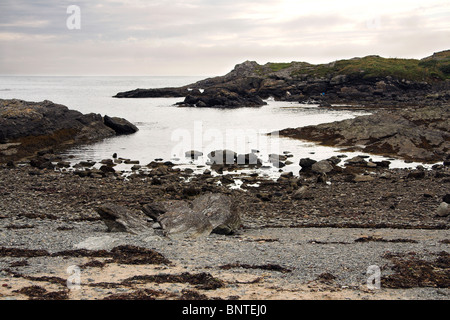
(443, 210)
(363, 178)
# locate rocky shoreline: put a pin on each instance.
(161, 231)
(416, 134)
(310, 236)
(28, 128)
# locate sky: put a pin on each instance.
(209, 37)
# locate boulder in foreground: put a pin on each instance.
(121, 219)
(207, 213)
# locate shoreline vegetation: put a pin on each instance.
(162, 232)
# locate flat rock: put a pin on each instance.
(121, 219)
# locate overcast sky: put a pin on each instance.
(208, 37)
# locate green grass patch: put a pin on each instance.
(435, 68)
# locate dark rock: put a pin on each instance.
(154, 93)
(44, 126)
(306, 163)
(419, 174)
(248, 159)
(223, 157)
(420, 134)
(222, 98)
(107, 169)
(120, 125)
(193, 154)
(191, 191)
(356, 161)
(446, 198)
(87, 164)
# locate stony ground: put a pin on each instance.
(313, 245)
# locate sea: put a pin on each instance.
(167, 131)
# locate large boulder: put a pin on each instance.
(323, 166)
(220, 210)
(120, 125)
(207, 213)
(306, 164)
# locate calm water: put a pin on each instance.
(167, 131)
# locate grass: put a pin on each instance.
(431, 69)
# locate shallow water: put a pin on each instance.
(167, 131)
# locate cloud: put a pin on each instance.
(203, 37)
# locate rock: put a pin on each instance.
(420, 134)
(40, 126)
(382, 164)
(222, 157)
(128, 161)
(334, 160)
(98, 243)
(63, 164)
(287, 175)
(222, 98)
(205, 214)
(419, 174)
(302, 193)
(306, 164)
(220, 211)
(121, 219)
(443, 210)
(356, 161)
(191, 191)
(108, 162)
(363, 178)
(120, 125)
(323, 166)
(446, 198)
(107, 169)
(248, 159)
(193, 154)
(185, 224)
(87, 163)
(277, 157)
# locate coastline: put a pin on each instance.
(48, 216)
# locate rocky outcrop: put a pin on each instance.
(154, 93)
(221, 98)
(28, 127)
(413, 134)
(370, 81)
